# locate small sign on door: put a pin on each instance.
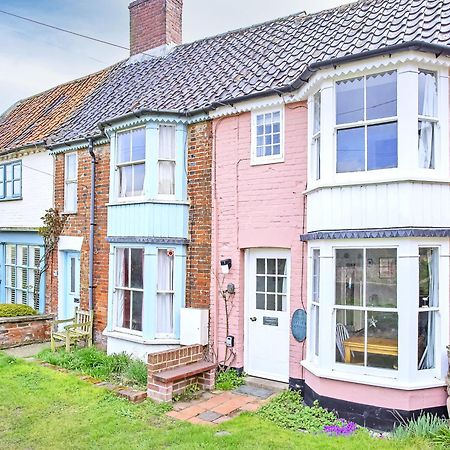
(272, 321)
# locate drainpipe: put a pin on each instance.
(91, 225)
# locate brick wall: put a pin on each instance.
(78, 225)
(198, 277)
(154, 23)
(15, 331)
(158, 362)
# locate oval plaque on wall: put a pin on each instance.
(298, 325)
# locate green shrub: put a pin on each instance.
(119, 368)
(229, 379)
(442, 437)
(10, 310)
(424, 426)
(288, 411)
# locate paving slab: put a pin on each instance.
(254, 391)
(233, 404)
(27, 351)
(209, 416)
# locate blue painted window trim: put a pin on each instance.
(150, 288)
(3, 169)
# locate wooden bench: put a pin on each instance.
(79, 329)
(183, 372)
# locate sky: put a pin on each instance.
(34, 58)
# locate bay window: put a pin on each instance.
(377, 311)
(131, 162)
(427, 118)
(129, 288)
(315, 144)
(366, 122)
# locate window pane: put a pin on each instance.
(382, 146)
(138, 144)
(426, 340)
(139, 175)
(70, 200)
(137, 264)
(17, 188)
(351, 150)
(382, 340)
(9, 172)
(164, 308)
(316, 275)
(261, 266)
(427, 136)
(316, 121)
(427, 94)
(381, 278)
(350, 330)
(271, 266)
(123, 308)
(315, 323)
(71, 169)
(136, 320)
(270, 302)
(428, 277)
(381, 100)
(9, 189)
(166, 178)
(124, 147)
(261, 284)
(282, 285)
(165, 271)
(350, 101)
(166, 142)
(271, 284)
(316, 158)
(349, 277)
(72, 275)
(126, 181)
(11, 254)
(122, 273)
(17, 171)
(260, 301)
(282, 267)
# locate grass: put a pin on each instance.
(119, 369)
(44, 409)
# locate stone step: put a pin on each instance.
(260, 387)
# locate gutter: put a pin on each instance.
(91, 224)
(304, 77)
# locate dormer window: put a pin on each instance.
(131, 162)
(427, 118)
(11, 181)
(366, 123)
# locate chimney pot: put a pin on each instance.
(154, 23)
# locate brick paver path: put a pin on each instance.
(215, 407)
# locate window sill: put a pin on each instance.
(372, 380)
(139, 339)
(69, 213)
(10, 199)
(264, 161)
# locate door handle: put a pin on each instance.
(76, 300)
(253, 319)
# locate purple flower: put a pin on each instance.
(343, 428)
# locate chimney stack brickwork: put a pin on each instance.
(154, 23)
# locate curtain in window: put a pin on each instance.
(120, 282)
(166, 177)
(164, 302)
(426, 128)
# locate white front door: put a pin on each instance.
(71, 284)
(267, 313)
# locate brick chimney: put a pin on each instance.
(154, 23)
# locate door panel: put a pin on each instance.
(267, 313)
(72, 284)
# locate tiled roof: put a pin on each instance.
(34, 119)
(252, 61)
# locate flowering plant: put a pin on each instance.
(343, 428)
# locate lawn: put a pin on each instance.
(44, 409)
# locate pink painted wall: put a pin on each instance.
(257, 206)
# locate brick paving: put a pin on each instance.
(215, 408)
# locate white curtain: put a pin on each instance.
(166, 176)
(426, 130)
(164, 301)
(123, 181)
(120, 282)
(433, 302)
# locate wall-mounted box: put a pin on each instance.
(193, 326)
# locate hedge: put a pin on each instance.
(10, 310)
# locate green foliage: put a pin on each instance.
(229, 379)
(424, 426)
(119, 368)
(191, 392)
(288, 411)
(442, 437)
(10, 310)
(6, 360)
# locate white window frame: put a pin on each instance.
(408, 376)
(259, 160)
(314, 306)
(70, 181)
(117, 165)
(315, 143)
(365, 123)
(3, 181)
(117, 288)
